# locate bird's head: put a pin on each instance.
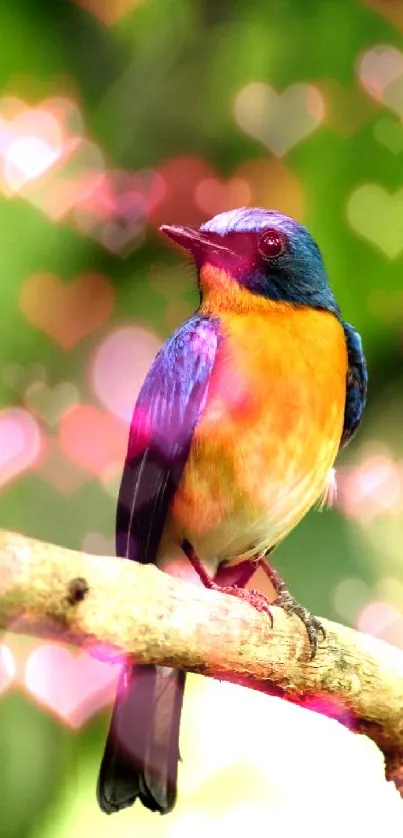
(261, 252)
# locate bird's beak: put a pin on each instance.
(199, 243)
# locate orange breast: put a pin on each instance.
(270, 430)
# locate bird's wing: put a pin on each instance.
(165, 416)
(357, 379)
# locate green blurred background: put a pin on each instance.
(114, 118)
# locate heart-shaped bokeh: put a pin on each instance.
(67, 184)
(44, 156)
(383, 620)
(279, 120)
(380, 71)
(215, 196)
(51, 403)
(94, 440)
(67, 311)
(73, 685)
(372, 488)
(59, 470)
(376, 215)
(19, 377)
(115, 208)
(34, 139)
(178, 205)
(194, 192)
(119, 367)
(21, 443)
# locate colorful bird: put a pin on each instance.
(233, 436)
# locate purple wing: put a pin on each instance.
(165, 416)
(357, 380)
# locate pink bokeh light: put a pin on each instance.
(179, 205)
(119, 367)
(73, 686)
(214, 196)
(94, 440)
(373, 487)
(383, 620)
(379, 69)
(34, 139)
(27, 159)
(116, 206)
(21, 443)
(70, 183)
(51, 403)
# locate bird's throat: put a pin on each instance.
(221, 291)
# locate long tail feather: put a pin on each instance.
(142, 749)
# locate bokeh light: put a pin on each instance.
(21, 443)
(380, 72)
(114, 209)
(74, 686)
(31, 141)
(92, 439)
(119, 368)
(279, 121)
(375, 214)
(60, 471)
(66, 312)
(382, 620)
(373, 487)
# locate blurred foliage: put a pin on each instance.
(156, 83)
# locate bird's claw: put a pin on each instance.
(313, 626)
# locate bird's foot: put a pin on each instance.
(255, 598)
(289, 604)
(313, 626)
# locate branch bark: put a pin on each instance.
(137, 610)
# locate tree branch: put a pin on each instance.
(134, 609)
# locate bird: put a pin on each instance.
(234, 433)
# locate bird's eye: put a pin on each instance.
(271, 243)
